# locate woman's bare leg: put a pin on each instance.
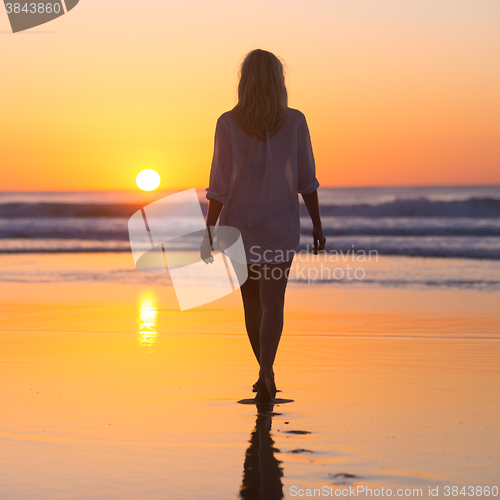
(250, 293)
(273, 282)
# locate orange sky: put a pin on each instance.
(395, 92)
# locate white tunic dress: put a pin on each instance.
(259, 181)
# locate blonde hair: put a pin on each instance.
(262, 95)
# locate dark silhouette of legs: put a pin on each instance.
(250, 293)
(264, 306)
(274, 278)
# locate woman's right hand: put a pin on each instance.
(206, 251)
(319, 239)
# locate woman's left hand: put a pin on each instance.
(319, 240)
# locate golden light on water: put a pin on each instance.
(148, 180)
(147, 322)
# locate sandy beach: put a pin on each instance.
(110, 392)
(368, 132)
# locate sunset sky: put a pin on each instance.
(395, 92)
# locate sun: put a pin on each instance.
(148, 180)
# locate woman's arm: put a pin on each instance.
(312, 205)
(214, 210)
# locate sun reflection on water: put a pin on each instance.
(147, 323)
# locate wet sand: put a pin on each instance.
(109, 392)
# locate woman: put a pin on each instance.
(262, 159)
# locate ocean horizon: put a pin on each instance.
(424, 221)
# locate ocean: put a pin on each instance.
(457, 225)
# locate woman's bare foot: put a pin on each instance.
(254, 387)
(266, 389)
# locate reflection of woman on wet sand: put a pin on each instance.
(262, 159)
(262, 472)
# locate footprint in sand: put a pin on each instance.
(344, 478)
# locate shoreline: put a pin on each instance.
(111, 392)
